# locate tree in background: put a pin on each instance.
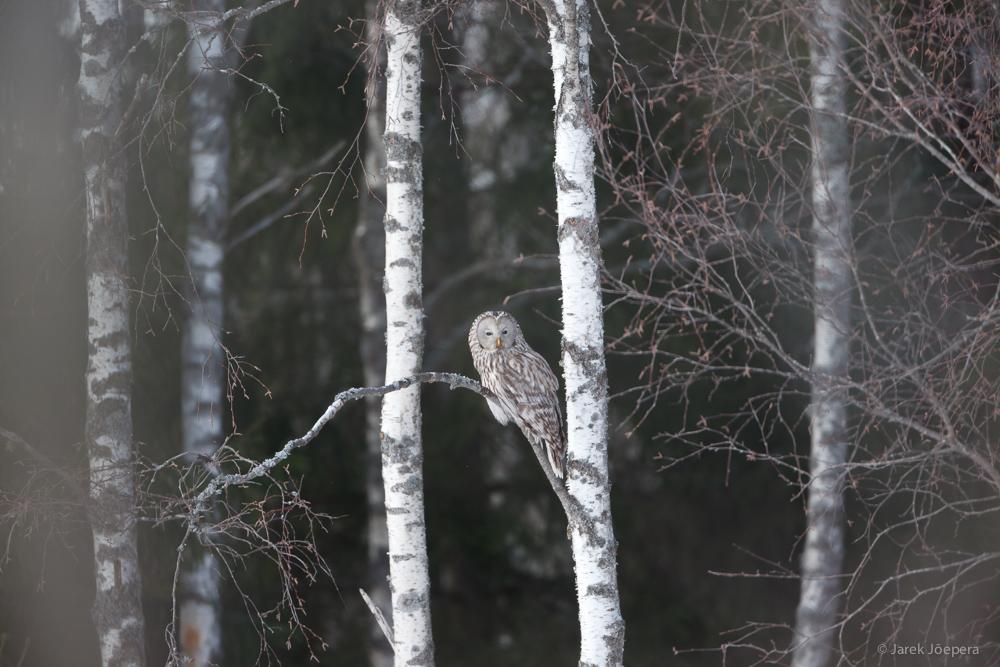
(203, 357)
(117, 608)
(369, 256)
(402, 449)
(602, 629)
(485, 112)
(823, 555)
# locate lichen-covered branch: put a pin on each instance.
(219, 484)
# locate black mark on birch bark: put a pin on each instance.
(585, 229)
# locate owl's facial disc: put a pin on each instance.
(497, 333)
(486, 334)
(507, 332)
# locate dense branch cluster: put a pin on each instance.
(722, 315)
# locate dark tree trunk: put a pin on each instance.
(369, 256)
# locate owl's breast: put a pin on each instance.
(497, 377)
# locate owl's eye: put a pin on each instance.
(489, 333)
(504, 332)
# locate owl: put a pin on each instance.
(525, 390)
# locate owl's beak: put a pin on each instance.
(499, 343)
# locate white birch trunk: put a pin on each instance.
(369, 256)
(602, 629)
(202, 355)
(402, 450)
(117, 610)
(823, 555)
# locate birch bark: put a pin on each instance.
(602, 628)
(823, 556)
(402, 450)
(202, 354)
(117, 610)
(369, 256)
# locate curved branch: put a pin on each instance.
(454, 381)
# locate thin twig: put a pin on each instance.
(284, 177)
(14, 439)
(282, 212)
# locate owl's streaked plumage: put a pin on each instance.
(526, 390)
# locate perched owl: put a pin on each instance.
(526, 390)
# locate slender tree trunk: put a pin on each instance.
(117, 608)
(402, 450)
(823, 556)
(202, 354)
(485, 114)
(369, 256)
(602, 628)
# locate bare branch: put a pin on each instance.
(218, 485)
(379, 618)
(13, 439)
(222, 482)
(283, 178)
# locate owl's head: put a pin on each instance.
(497, 330)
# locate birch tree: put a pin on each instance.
(369, 256)
(202, 354)
(117, 610)
(402, 450)
(602, 629)
(823, 555)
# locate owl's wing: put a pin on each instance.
(539, 372)
(540, 416)
(501, 404)
(534, 389)
(502, 414)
